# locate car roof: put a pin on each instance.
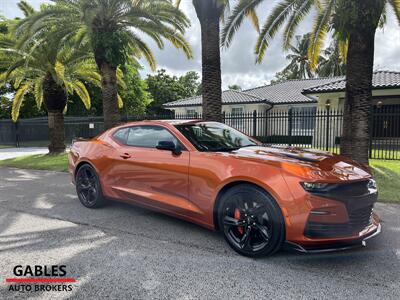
(170, 122)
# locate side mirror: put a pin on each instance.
(170, 146)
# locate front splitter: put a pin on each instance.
(340, 246)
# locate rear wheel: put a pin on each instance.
(251, 221)
(88, 187)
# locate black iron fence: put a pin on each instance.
(299, 127)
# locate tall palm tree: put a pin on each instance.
(50, 73)
(210, 13)
(299, 66)
(332, 62)
(354, 22)
(113, 28)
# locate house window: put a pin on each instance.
(303, 120)
(191, 113)
(237, 115)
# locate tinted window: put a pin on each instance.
(148, 136)
(121, 135)
(215, 137)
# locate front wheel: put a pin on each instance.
(251, 221)
(88, 187)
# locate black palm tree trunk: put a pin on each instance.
(359, 72)
(55, 99)
(209, 13)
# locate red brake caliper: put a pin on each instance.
(237, 217)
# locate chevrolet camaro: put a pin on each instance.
(261, 198)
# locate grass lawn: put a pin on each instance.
(39, 162)
(387, 173)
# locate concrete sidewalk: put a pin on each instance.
(7, 153)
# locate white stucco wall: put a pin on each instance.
(389, 96)
(225, 108)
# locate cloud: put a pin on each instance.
(238, 62)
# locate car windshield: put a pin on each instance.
(215, 137)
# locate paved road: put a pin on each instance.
(126, 252)
(7, 153)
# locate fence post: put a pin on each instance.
(223, 117)
(16, 125)
(370, 130)
(328, 108)
(254, 123)
(290, 125)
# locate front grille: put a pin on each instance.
(359, 201)
(359, 219)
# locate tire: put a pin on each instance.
(88, 187)
(251, 221)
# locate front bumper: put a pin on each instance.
(334, 246)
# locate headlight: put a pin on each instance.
(317, 187)
(372, 185)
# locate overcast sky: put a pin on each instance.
(238, 65)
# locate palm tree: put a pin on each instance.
(353, 22)
(113, 28)
(299, 66)
(210, 13)
(50, 73)
(332, 61)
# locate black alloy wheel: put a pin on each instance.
(251, 221)
(88, 187)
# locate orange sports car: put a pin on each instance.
(260, 198)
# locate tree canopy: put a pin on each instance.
(167, 88)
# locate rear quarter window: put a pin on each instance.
(121, 135)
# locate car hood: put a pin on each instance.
(307, 163)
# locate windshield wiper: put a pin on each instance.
(225, 149)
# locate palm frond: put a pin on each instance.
(142, 49)
(278, 16)
(26, 8)
(302, 9)
(38, 92)
(120, 79)
(120, 102)
(17, 101)
(241, 10)
(343, 46)
(179, 42)
(59, 69)
(318, 34)
(252, 15)
(82, 93)
(395, 4)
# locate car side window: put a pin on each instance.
(121, 135)
(148, 136)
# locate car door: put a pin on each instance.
(153, 177)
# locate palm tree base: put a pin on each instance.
(56, 132)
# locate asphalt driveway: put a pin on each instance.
(126, 252)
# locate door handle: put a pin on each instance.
(125, 155)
